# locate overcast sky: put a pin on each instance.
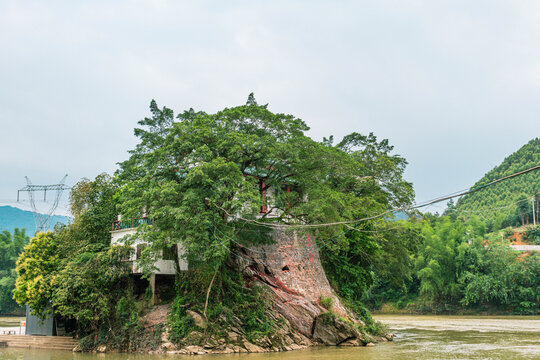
(454, 85)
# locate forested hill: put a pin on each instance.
(504, 204)
(11, 218)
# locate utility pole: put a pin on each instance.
(534, 213)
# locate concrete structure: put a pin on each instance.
(38, 342)
(50, 326)
(526, 247)
(165, 264)
(36, 326)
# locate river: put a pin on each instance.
(417, 337)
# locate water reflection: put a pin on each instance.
(417, 337)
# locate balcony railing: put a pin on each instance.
(133, 223)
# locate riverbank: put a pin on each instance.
(417, 337)
(444, 309)
(227, 336)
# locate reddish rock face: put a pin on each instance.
(292, 270)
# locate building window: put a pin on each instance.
(168, 253)
(140, 249)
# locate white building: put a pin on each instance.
(165, 264)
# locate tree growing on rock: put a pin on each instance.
(218, 183)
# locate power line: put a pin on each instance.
(405, 208)
(498, 207)
(240, 256)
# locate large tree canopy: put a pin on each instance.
(200, 174)
(215, 182)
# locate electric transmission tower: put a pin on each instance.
(43, 219)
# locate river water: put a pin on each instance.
(417, 337)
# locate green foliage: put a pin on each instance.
(199, 176)
(327, 318)
(36, 267)
(395, 277)
(233, 302)
(368, 181)
(193, 171)
(123, 329)
(189, 174)
(10, 248)
(326, 302)
(94, 208)
(399, 242)
(532, 235)
(249, 304)
(125, 321)
(458, 265)
(371, 327)
(435, 264)
(75, 273)
(89, 286)
(180, 324)
(491, 204)
(499, 276)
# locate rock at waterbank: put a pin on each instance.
(329, 330)
(198, 320)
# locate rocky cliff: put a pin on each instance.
(291, 274)
(291, 269)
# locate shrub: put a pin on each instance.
(326, 302)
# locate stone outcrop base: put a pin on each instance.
(327, 330)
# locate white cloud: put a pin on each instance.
(445, 81)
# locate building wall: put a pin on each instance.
(165, 267)
(36, 326)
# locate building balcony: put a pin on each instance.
(131, 224)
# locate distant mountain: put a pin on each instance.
(11, 217)
(398, 215)
(508, 201)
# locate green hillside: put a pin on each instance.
(507, 203)
(11, 218)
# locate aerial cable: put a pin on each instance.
(498, 207)
(327, 242)
(236, 242)
(404, 208)
(353, 228)
(240, 256)
(356, 222)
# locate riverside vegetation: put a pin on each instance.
(11, 245)
(190, 172)
(461, 262)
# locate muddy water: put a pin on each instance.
(417, 337)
